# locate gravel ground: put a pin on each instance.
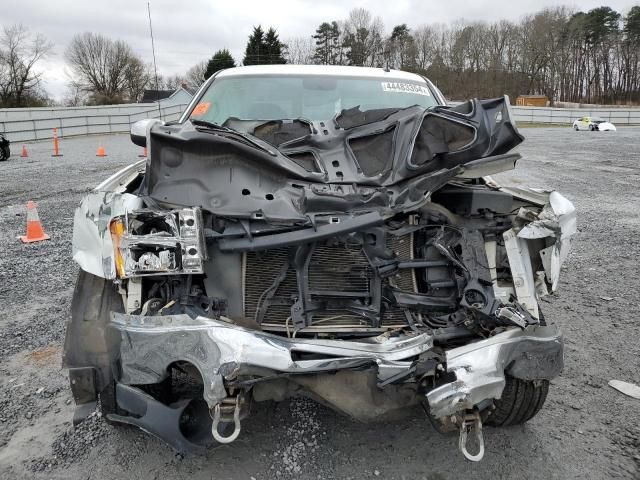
(586, 430)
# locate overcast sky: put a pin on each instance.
(189, 31)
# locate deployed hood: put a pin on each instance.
(291, 169)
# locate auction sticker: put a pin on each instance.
(401, 87)
(200, 109)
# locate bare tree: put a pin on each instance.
(76, 95)
(425, 40)
(169, 82)
(5, 83)
(300, 50)
(107, 69)
(568, 56)
(400, 49)
(195, 75)
(20, 51)
(174, 82)
(364, 38)
(137, 79)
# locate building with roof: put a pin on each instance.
(532, 101)
(181, 96)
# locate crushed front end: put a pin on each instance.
(369, 263)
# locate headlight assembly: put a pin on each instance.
(149, 242)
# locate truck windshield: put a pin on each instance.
(316, 98)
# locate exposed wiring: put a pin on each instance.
(286, 325)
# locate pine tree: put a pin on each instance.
(220, 60)
(356, 44)
(264, 48)
(323, 43)
(255, 52)
(401, 49)
(327, 39)
(274, 48)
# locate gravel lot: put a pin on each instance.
(586, 430)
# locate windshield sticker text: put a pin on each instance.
(400, 87)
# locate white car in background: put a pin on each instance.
(593, 124)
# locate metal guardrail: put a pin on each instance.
(551, 115)
(618, 116)
(38, 123)
(24, 130)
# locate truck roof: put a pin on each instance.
(328, 70)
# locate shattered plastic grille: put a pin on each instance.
(332, 268)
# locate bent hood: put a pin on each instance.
(291, 169)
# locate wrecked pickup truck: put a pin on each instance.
(331, 232)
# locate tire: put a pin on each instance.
(575, 127)
(592, 128)
(521, 401)
(5, 153)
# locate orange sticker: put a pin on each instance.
(201, 109)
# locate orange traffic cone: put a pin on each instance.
(144, 153)
(101, 152)
(24, 153)
(56, 144)
(35, 233)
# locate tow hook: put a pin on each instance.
(229, 411)
(471, 422)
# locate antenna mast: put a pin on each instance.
(155, 67)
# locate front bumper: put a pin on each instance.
(224, 351)
(533, 354)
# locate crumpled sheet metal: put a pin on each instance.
(533, 354)
(223, 350)
(409, 153)
(149, 344)
(91, 245)
(519, 257)
(556, 220)
(119, 181)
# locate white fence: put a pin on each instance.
(27, 124)
(618, 116)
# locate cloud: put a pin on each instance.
(190, 31)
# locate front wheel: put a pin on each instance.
(521, 401)
(575, 127)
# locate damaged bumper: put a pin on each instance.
(535, 353)
(224, 352)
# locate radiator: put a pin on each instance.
(340, 267)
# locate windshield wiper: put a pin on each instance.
(211, 125)
(233, 134)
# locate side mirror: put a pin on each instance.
(139, 130)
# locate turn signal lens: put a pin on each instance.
(116, 227)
